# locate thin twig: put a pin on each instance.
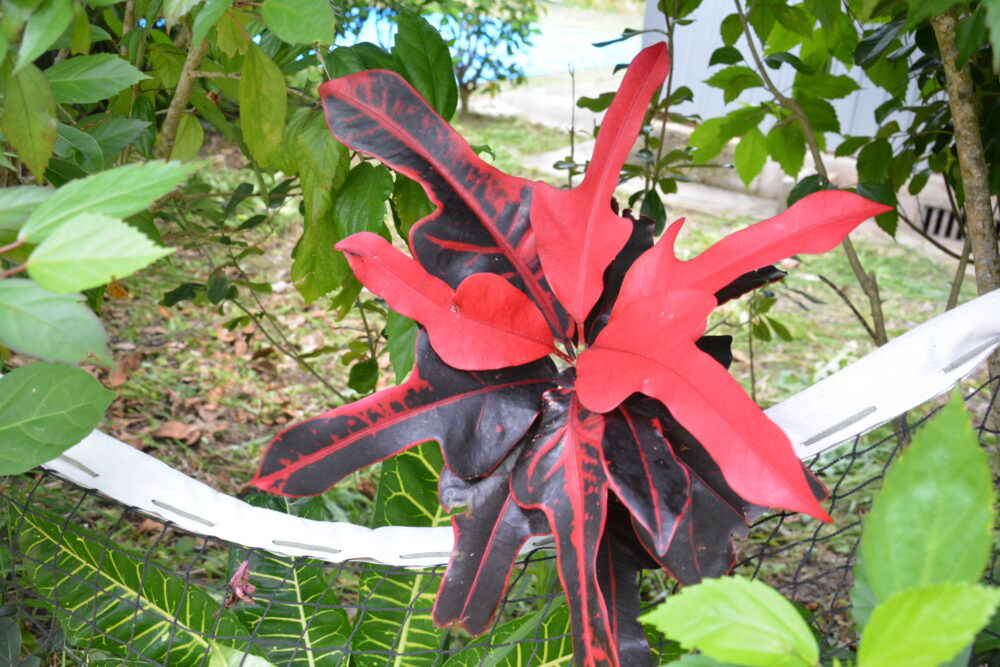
(956, 284)
(867, 281)
(182, 94)
(846, 300)
(10, 272)
(927, 237)
(11, 246)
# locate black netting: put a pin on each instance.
(91, 582)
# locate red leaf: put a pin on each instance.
(755, 456)
(814, 224)
(494, 409)
(485, 324)
(560, 473)
(578, 233)
(481, 225)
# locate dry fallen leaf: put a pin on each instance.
(189, 433)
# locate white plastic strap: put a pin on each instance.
(907, 372)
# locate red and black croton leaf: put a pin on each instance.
(638, 450)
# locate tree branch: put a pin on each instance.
(182, 94)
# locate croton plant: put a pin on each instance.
(562, 367)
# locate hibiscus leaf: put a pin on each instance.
(814, 224)
(437, 402)
(560, 473)
(575, 249)
(488, 537)
(481, 222)
(486, 323)
(644, 473)
(755, 456)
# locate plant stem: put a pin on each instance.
(182, 94)
(867, 281)
(956, 284)
(11, 246)
(980, 228)
(10, 272)
(843, 297)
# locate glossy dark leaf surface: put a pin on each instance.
(481, 225)
(488, 537)
(560, 472)
(437, 402)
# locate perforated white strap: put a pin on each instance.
(907, 372)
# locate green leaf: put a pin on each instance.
(401, 333)
(883, 194)
(360, 204)
(970, 35)
(541, 638)
(993, 23)
(807, 186)
(407, 496)
(88, 251)
(323, 163)
(207, 17)
(652, 207)
(29, 118)
(775, 60)
(787, 145)
(140, 609)
(226, 656)
(737, 620)
(93, 78)
(56, 327)
(80, 39)
(263, 103)
(874, 160)
(875, 44)
(190, 135)
(825, 86)
(793, 19)
(17, 203)
(422, 57)
(299, 21)
(79, 147)
(731, 28)
(363, 376)
(44, 410)
(821, 114)
(926, 626)
(115, 133)
(734, 80)
(597, 104)
(410, 203)
(850, 145)
(44, 27)
(711, 136)
(724, 55)
(930, 523)
(302, 623)
(751, 154)
(118, 193)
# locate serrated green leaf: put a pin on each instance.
(207, 17)
(711, 136)
(401, 333)
(45, 409)
(750, 156)
(821, 114)
(725, 55)
(80, 39)
(730, 29)
(299, 21)
(89, 250)
(825, 86)
(17, 203)
(46, 24)
(921, 10)
(793, 19)
(55, 327)
(422, 57)
(114, 133)
(407, 496)
(29, 118)
(263, 104)
(93, 78)
(927, 626)
(850, 145)
(787, 145)
(738, 620)
(360, 204)
(118, 192)
(140, 608)
(734, 80)
(930, 523)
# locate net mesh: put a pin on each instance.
(91, 582)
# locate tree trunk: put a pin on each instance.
(979, 223)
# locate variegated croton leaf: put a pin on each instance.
(639, 449)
